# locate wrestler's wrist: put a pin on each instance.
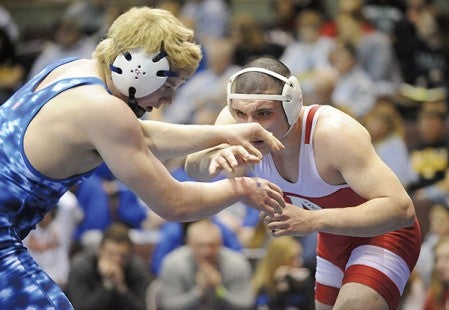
(220, 133)
(241, 186)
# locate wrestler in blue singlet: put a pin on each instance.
(26, 196)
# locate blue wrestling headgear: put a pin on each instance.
(137, 74)
(291, 96)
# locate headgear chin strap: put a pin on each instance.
(291, 96)
(137, 74)
(132, 103)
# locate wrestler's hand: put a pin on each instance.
(261, 195)
(253, 137)
(230, 158)
(292, 221)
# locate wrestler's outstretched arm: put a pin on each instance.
(123, 149)
(167, 140)
(235, 160)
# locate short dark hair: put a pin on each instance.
(257, 82)
(117, 232)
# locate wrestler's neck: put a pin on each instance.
(291, 142)
(105, 75)
(102, 72)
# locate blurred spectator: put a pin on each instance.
(438, 293)
(45, 247)
(414, 293)
(249, 39)
(112, 277)
(280, 281)
(69, 214)
(319, 86)
(310, 50)
(209, 18)
(354, 90)
(173, 236)
(281, 31)
(44, 244)
(94, 16)
(50, 243)
(201, 99)
(374, 52)
(351, 7)
(104, 200)
(386, 127)
(204, 274)
(69, 41)
(12, 72)
(240, 219)
(9, 25)
(174, 6)
(420, 43)
(439, 228)
(430, 155)
(384, 14)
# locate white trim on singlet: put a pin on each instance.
(381, 259)
(387, 262)
(327, 273)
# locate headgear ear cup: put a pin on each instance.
(291, 96)
(292, 107)
(145, 72)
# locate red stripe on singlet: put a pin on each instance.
(309, 122)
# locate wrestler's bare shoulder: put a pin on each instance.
(73, 69)
(335, 124)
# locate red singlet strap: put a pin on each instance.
(309, 122)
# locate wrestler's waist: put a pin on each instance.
(405, 242)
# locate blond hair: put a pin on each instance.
(437, 287)
(280, 252)
(153, 30)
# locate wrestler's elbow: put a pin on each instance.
(172, 207)
(406, 211)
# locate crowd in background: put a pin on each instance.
(384, 62)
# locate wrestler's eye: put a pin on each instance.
(264, 113)
(239, 114)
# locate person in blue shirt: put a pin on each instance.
(105, 200)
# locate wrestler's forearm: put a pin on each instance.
(375, 217)
(190, 201)
(167, 140)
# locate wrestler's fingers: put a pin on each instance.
(251, 149)
(246, 156)
(275, 225)
(214, 167)
(278, 195)
(236, 153)
(274, 143)
(276, 201)
(220, 163)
